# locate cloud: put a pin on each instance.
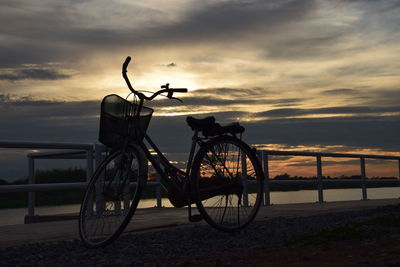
(306, 47)
(232, 92)
(79, 115)
(32, 74)
(229, 19)
(219, 97)
(292, 112)
(384, 97)
(371, 69)
(60, 31)
(28, 119)
(367, 132)
(340, 91)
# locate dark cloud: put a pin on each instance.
(32, 74)
(45, 111)
(229, 19)
(28, 51)
(375, 69)
(365, 132)
(290, 112)
(306, 47)
(42, 120)
(361, 132)
(384, 97)
(320, 41)
(201, 101)
(27, 100)
(28, 119)
(58, 33)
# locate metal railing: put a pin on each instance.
(73, 151)
(92, 153)
(264, 155)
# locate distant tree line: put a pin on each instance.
(286, 176)
(50, 198)
(340, 182)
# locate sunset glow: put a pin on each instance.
(299, 75)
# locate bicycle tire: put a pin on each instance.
(229, 163)
(112, 196)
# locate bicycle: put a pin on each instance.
(223, 179)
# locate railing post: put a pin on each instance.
(31, 180)
(158, 187)
(267, 196)
(363, 179)
(319, 180)
(98, 149)
(244, 181)
(89, 164)
(98, 198)
(399, 168)
(158, 191)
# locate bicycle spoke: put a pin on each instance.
(105, 210)
(228, 163)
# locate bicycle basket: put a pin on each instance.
(119, 120)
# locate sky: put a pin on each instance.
(299, 75)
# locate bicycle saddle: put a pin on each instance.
(210, 128)
(200, 124)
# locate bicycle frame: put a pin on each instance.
(179, 194)
(168, 167)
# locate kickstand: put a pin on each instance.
(195, 217)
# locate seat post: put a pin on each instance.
(191, 154)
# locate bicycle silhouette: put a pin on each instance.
(223, 177)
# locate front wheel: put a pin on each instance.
(227, 182)
(112, 196)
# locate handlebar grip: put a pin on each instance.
(126, 63)
(180, 90)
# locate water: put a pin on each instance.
(16, 216)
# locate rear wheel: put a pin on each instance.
(111, 197)
(227, 183)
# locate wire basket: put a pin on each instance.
(119, 120)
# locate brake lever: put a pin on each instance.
(180, 100)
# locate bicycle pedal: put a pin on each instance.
(195, 218)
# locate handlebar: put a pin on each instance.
(165, 88)
(179, 90)
(126, 63)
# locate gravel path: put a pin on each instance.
(166, 247)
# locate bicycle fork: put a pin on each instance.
(195, 217)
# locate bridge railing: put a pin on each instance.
(72, 150)
(92, 153)
(264, 156)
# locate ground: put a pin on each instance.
(372, 252)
